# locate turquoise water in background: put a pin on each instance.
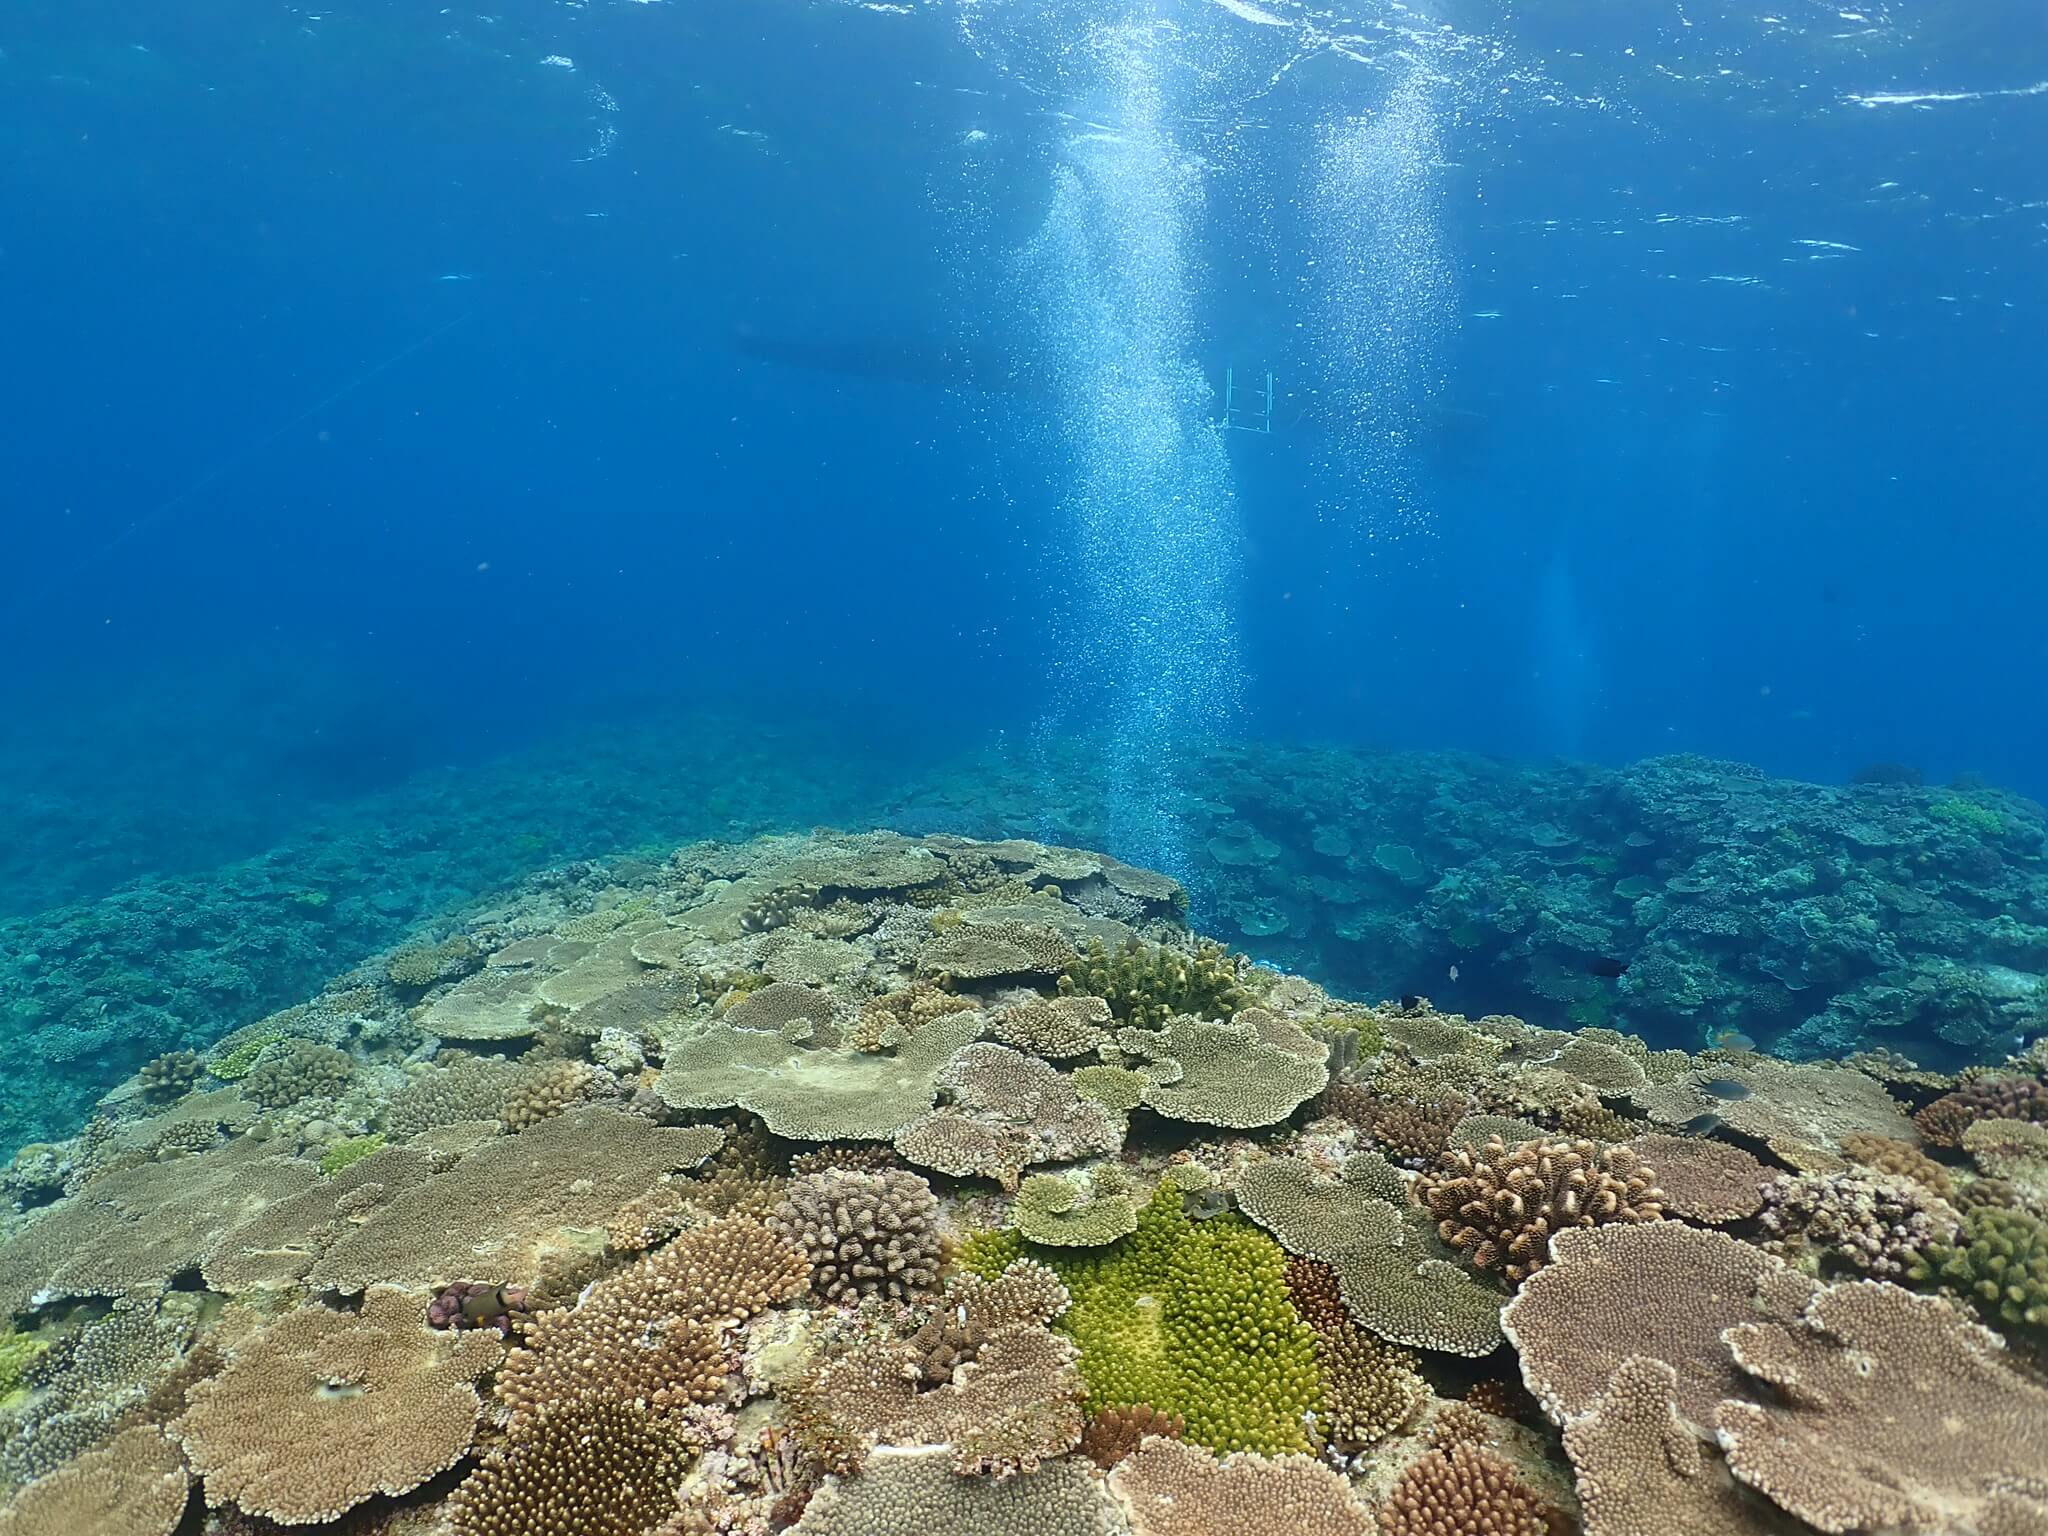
(439, 446)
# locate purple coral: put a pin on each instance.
(475, 1304)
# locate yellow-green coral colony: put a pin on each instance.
(1193, 1318)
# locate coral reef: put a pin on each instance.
(779, 1185)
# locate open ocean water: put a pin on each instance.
(1519, 508)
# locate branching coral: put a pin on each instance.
(1999, 1261)
(1502, 1204)
(974, 1309)
(1114, 1433)
(1371, 1389)
(592, 1467)
(2000, 1097)
(1828, 1223)
(1462, 1491)
(1147, 984)
(865, 1233)
(295, 1070)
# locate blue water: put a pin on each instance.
(390, 391)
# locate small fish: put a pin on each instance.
(480, 1306)
(1606, 966)
(1702, 1125)
(1734, 1040)
(1454, 973)
(1725, 1088)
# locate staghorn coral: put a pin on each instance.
(1832, 1447)
(593, 1467)
(323, 1409)
(1828, 1223)
(1172, 1488)
(1462, 1491)
(1114, 1433)
(295, 1070)
(866, 1233)
(917, 1493)
(1999, 1261)
(1501, 1205)
(1704, 1180)
(134, 1485)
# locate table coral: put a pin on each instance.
(1175, 1489)
(1702, 1179)
(323, 1409)
(917, 1493)
(1222, 1074)
(1833, 1445)
(135, 1485)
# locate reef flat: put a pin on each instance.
(1688, 901)
(863, 1185)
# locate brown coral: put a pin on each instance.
(1986, 1098)
(975, 1309)
(1901, 1159)
(1826, 1223)
(1371, 1389)
(1892, 1411)
(594, 1468)
(548, 1089)
(295, 1070)
(1411, 1131)
(1114, 1433)
(1173, 1488)
(1501, 1204)
(1462, 1491)
(323, 1409)
(866, 1233)
(1702, 1179)
(134, 1485)
(1016, 1405)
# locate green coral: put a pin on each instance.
(348, 1151)
(1147, 984)
(1967, 814)
(1051, 1211)
(2001, 1264)
(1117, 1088)
(18, 1351)
(1191, 1317)
(233, 1064)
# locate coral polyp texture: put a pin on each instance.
(871, 1185)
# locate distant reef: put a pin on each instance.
(1692, 902)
